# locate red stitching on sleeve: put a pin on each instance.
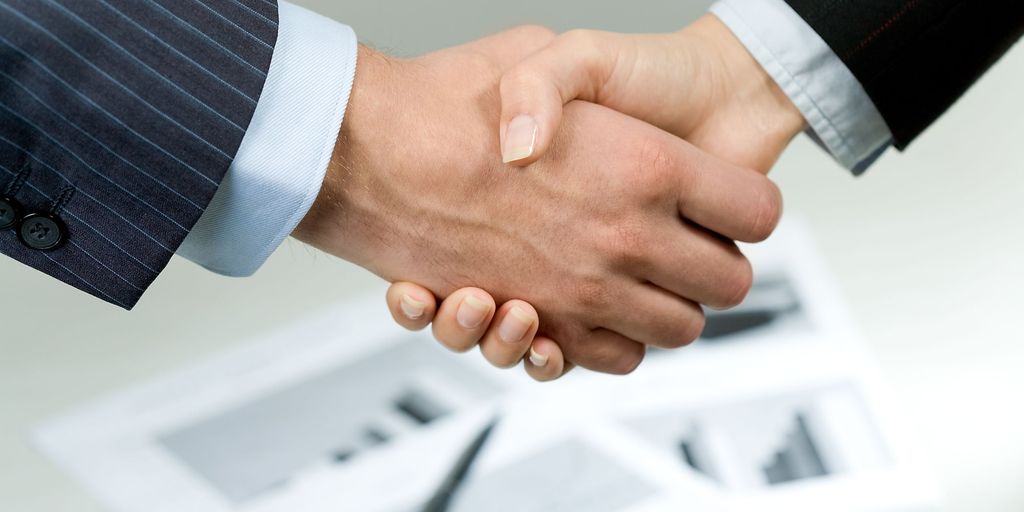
(907, 7)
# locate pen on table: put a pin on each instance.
(441, 500)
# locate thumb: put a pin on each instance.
(576, 65)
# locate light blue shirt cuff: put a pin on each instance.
(281, 164)
(841, 116)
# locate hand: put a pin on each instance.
(699, 83)
(592, 235)
(464, 318)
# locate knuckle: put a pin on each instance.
(581, 37)
(519, 78)
(525, 88)
(628, 360)
(681, 333)
(593, 50)
(535, 32)
(738, 285)
(690, 331)
(657, 171)
(768, 212)
(628, 243)
(593, 294)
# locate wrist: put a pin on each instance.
(328, 225)
(402, 146)
(744, 85)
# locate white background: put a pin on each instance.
(926, 247)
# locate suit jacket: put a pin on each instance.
(915, 58)
(118, 120)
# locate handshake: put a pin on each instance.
(574, 199)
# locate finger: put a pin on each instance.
(735, 202)
(576, 65)
(606, 352)
(567, 369)
(655, 317)
(545, 361)
(411, 305)
(463, 319)
(700, 266)
(507, 341)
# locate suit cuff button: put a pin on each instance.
(42, 232)
(10, 212)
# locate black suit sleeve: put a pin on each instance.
(118, 121)
(915, 58)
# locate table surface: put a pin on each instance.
(926, 249)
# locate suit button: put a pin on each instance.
(42, 232)
(9, 212)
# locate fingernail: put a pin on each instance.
(520, 139)
(412, 308)
(515, 325)
(472, 312)
(538, 359)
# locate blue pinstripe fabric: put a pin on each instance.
(124, 116)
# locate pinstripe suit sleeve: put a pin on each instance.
(120, 118)
(277, 173)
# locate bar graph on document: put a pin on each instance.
(778, 407)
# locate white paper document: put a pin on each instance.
(777, 408)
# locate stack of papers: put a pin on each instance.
(777, 408)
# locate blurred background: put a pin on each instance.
(926, 248)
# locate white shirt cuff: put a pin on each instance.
(839, 112)
(284, 155)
